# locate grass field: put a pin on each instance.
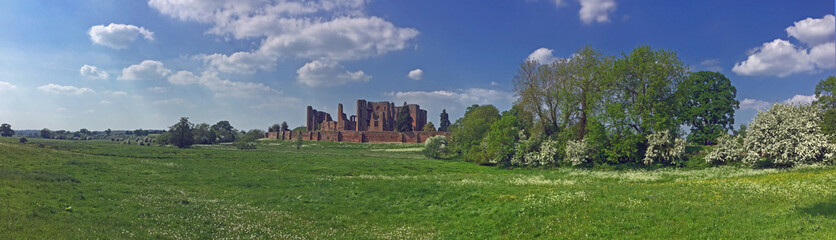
(99, 189)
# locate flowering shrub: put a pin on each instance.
(664, 148)
(579, 152)
(787, 135)
(728, 149)
(434, 146)
(546, 155)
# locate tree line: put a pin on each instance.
(596, 109)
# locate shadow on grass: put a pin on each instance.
(825, 209)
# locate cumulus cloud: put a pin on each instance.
(335, 30)
(92, 72)
(104, 102)
(782, 58)
(67, 90)
(171, 101)
(158, 89)
(6, 86)
(711, 65)
(542, 56)
(325, 72)
(117, 36)
(464, 97)
(596, 10)
(148, 69)
(749, 103)
(116, 93)
(222, 87)
(814, 31)
(801, 100)
(416, 74)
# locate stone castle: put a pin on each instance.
(374, 122)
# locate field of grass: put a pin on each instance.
(100, 189)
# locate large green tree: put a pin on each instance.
(404, 121)
(180, 134)
(826, 99)
(203, 134)
(708, 104)
(467, 133)
(501, 139)
(46, 133)
(588, 75)
(645, 90)
(543, 92)
(224, 131)
(6, 130)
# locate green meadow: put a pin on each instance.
(58, 189)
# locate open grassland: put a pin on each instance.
(99, 189)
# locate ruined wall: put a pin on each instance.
(357, 136)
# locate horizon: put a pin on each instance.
(143, 65)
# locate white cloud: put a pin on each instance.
(494, 83)
(777, 58)
(542, 56)
(467, 96)
(782, 58)
(801, 99)
(68, 90)
(749, 103)
(148, 69)
(5, 86)
(325, 72)
(223, 87)
(416, 74)
(171, 101)
(158, 89)
(596, 10)
(104, 102)
(814, 31)
(116, 93)
(711, 65)
(92, 72)
(117, 36)
(335, 30)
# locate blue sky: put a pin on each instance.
(136, 64)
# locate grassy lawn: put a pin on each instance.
(101, 189)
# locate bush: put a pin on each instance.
(545, 154)
(23, 140)
(579, 152)
(786, 135)
(298, 141)
(663, 147)
(244, 145)
(435, 146)
(728, 149)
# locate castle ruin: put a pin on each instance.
(373, 122)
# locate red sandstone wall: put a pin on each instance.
(352, 136)
(355, 136)
(330, 136)
(383, 137)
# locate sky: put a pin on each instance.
(100, 64)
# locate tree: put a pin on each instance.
(435, 146)
(709, 101)
(248, 140)
(181, 133)
(108, 132)
(787, 135)
(645, 99)
(826, 93)
(284, 126)
(224, 131)
(542, 90)
(46, 133)
(429, 127)
(203, 134)
(6, 130)
(23, 140)
(444, 123)
(501, 139)
(467, 133)
(84, 131)
(274, 128)
(588, 74)
(404, 121)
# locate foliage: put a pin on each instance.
(500, 140)
(444, 122)
(645, 99)
(787, 135)
(828, 124)
(589, 80)
(203, 134)
(664, 147)
(429, 127)
(467, 133)
(46, 133)
(180, 134)
(404, 121)
(284, 126)
(224, 131)
(579, 152)
(6, 130)
(435, 146)
(274, 128)
(542, 91)
(23, 140)
(826, 93)
(729, 149)
(547, 154)
(708, 106)
(301, 128)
